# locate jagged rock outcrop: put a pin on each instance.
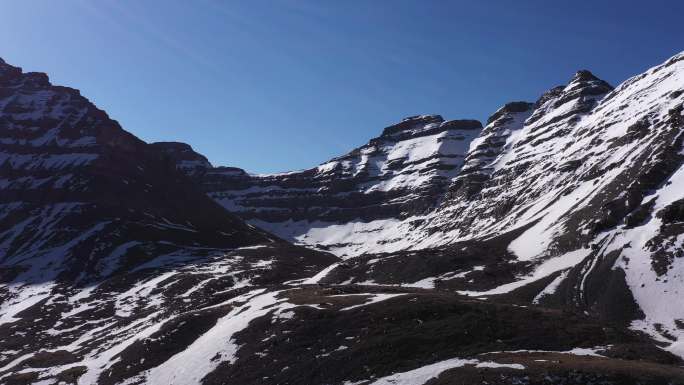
(186, 159)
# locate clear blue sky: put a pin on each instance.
(280, 85)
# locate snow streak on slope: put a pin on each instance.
(423, 374)
(346, 240)
(216, 345)
(97, 326)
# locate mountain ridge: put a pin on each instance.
(607, 148)
(542, 248)
(301, 227)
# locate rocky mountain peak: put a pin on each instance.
(8, 71)
(584, 90)
(185, 157)
(584, 75)
(424, 125)
(413, 123)
(424, 119)
(584, 83)
(5, 65)
(510, 108)
(37, 79)
(461, 124)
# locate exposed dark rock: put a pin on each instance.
(674, 212)
(510, 108)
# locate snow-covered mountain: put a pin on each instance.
(589, 185)
(94, 223)
(577, 193)
(349, 204)
(542, 248)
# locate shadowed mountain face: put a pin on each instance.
(92, 219)
(85, 198)
(542, 248)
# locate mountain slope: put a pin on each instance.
(579, 208)
(347, 204)
(573, 200)
(93, 224)
(69, 173)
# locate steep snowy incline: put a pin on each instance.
(494, 140)
(528, 169)
(582, 162)
(350, 204)
(638, 231)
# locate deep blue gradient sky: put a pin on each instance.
(279, 85)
